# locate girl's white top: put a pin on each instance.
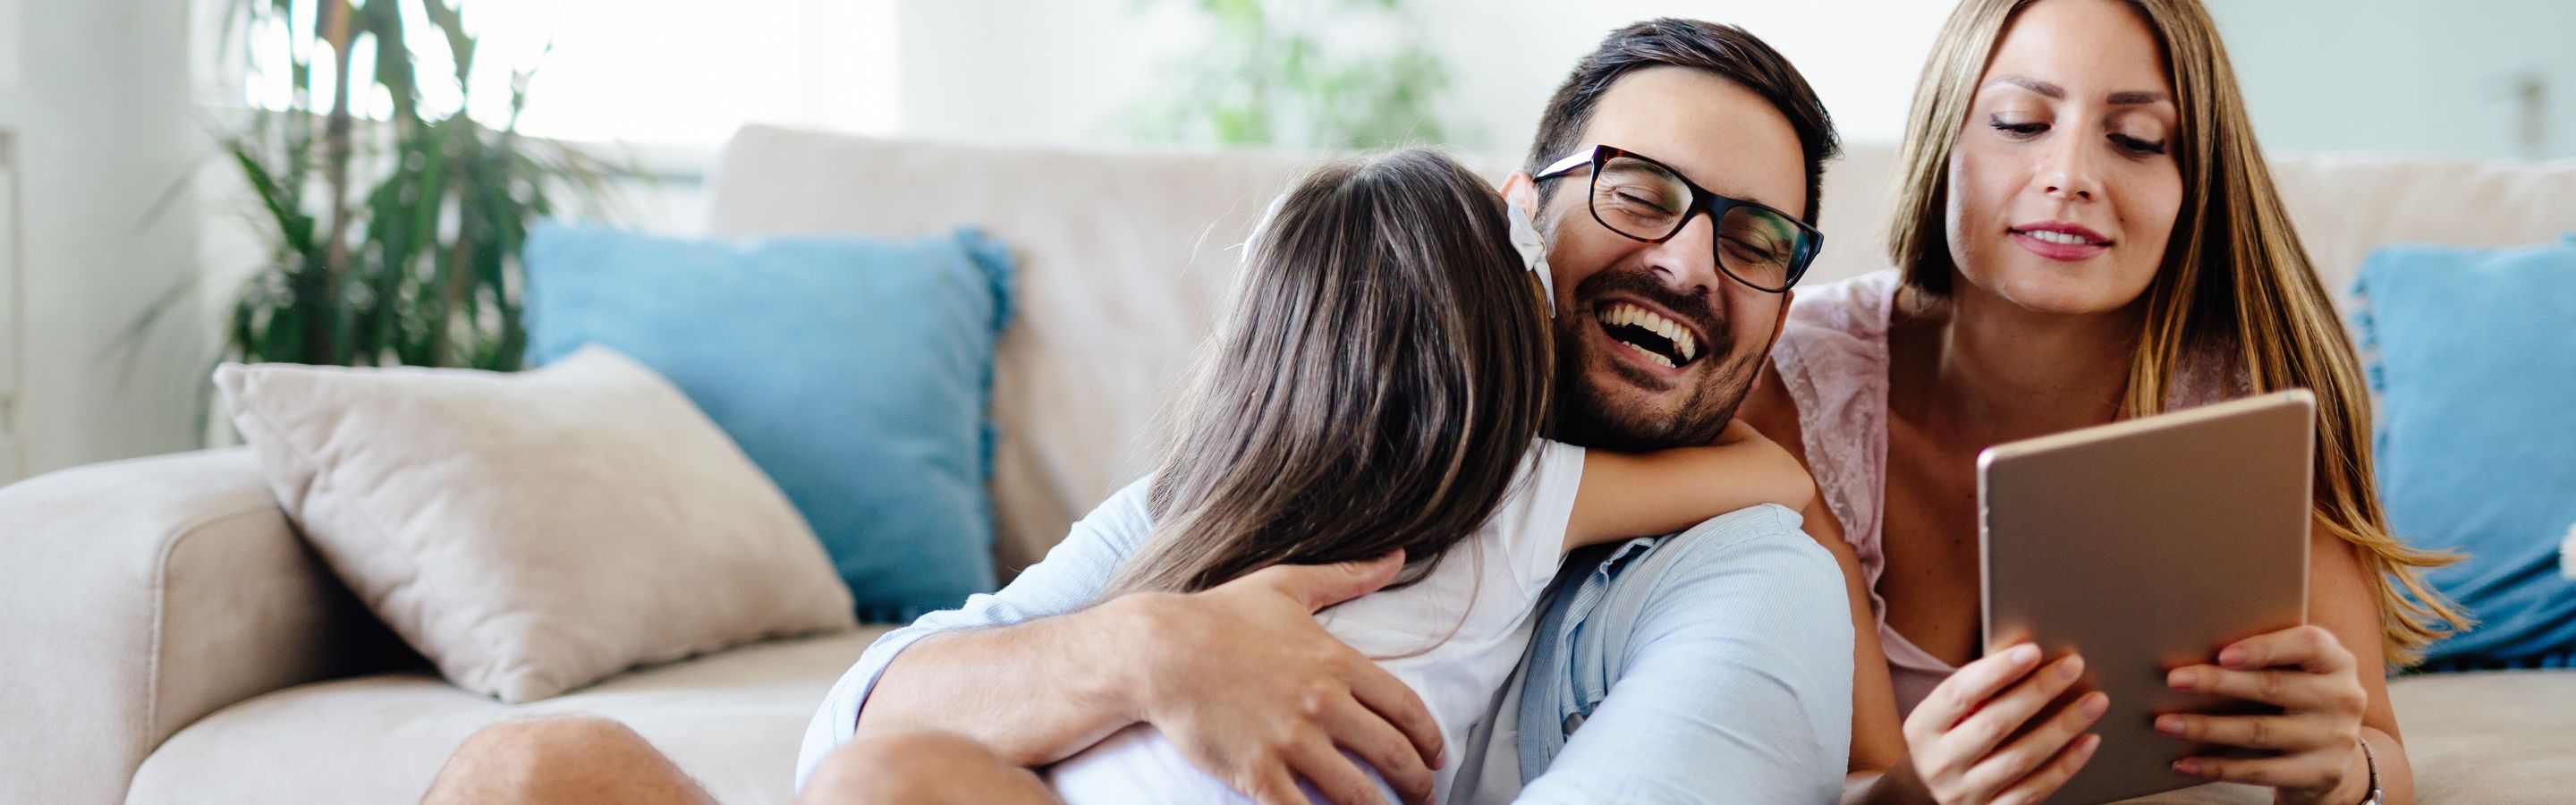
(1455, 637)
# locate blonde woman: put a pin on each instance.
(2085, 232)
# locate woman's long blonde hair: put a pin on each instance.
(2263, 298)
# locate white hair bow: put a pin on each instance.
(1262, 227)
(1533, 249)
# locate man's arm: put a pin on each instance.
(1240, 677)
(1730, 674)
(1878, 742)
(1066, 581)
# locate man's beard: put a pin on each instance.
(1590, 416)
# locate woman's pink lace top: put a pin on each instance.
(1832, 357)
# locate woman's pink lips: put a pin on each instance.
(2058, 251)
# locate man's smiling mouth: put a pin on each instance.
(1655, 337)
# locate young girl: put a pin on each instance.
(1381, 384)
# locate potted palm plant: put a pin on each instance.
(1303, 75)
(394, 231)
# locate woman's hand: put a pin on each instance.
(2309, 674)
(1962, 738)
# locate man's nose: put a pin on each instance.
(1687, 261)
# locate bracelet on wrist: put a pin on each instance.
(2371, 763)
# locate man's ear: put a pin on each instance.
(1787, 298)
(1520, 189)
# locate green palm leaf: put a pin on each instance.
(394, 240)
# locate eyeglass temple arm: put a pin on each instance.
(1566, 164)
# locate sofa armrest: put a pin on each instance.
(138, 596)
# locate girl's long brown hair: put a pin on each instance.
(1382, 372)
(2234, 277)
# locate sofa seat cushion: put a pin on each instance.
(2490, 736)
(732, 720)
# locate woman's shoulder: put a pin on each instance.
(1824, 395)
(1834, 343)
(1856, 305)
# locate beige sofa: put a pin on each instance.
(173, 640)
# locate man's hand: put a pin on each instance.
(1244, 682)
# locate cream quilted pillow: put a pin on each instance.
(535, 532)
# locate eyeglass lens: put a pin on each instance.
(1642, 200)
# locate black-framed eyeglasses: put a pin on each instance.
(1647, 200)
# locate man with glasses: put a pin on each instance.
(1687, 287)
(1712, 665)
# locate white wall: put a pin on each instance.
(1050, 73)
(1508, 56)
(2418, 76)
(689, 71)
(2407, 75)
(96, 96)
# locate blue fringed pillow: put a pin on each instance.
(856, 371)
(2475, 369)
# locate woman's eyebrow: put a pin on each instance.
(2032, 84)
(2055, 92)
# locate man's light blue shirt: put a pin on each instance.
(1714, 665)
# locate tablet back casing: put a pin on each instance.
(2148, 545)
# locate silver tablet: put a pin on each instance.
(2148, 545)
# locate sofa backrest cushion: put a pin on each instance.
(2474, 361)
(854, 370)
(1125, 257)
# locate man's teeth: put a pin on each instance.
(1623, 314)
(2069, 239)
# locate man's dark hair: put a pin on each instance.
(1724, 51)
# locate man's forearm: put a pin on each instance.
(1035, 692)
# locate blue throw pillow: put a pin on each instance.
(855, 371)
(2476, 376)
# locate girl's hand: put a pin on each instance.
(1962, 738)
(2309, 674)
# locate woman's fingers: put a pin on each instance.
(2003, 715)
(2290, 772)
(2308, 647)
(2038, 785)
(2313, 679)
(1938, 761)
(1968, 689)
(2028, 754)
(2297, 690)
(2293, 732)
